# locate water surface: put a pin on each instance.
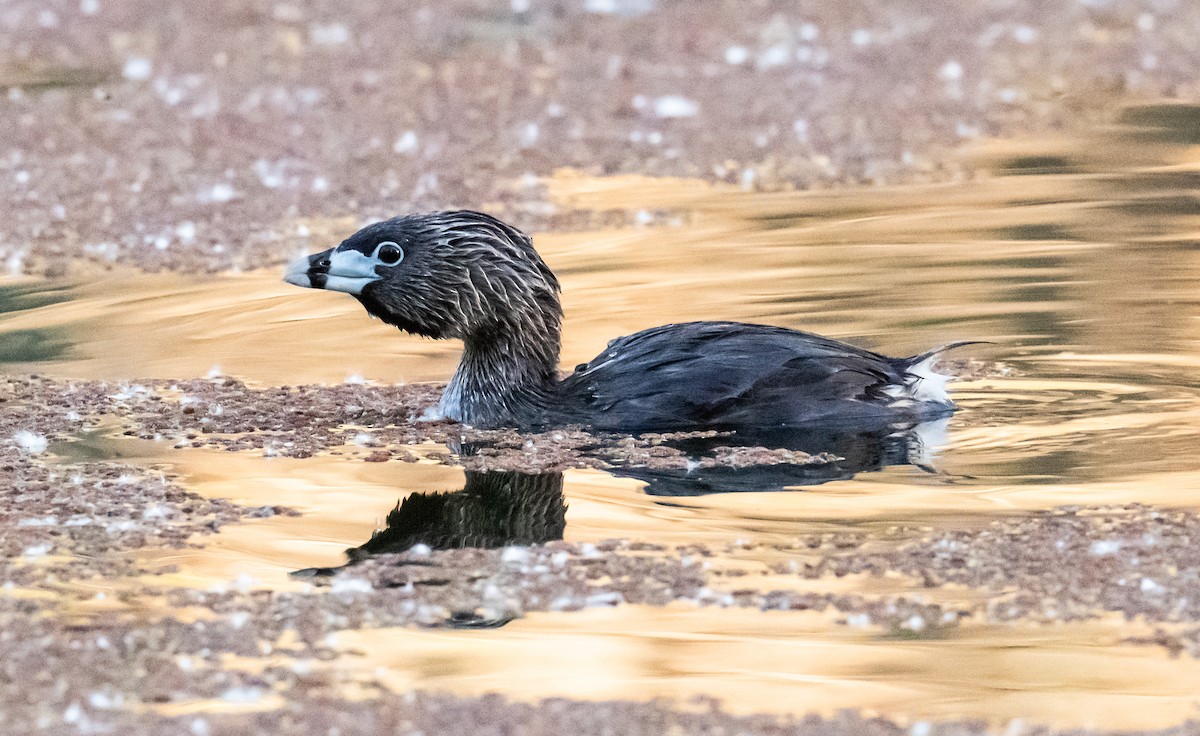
(1077, 259)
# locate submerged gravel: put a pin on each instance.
(372, 423)
(68, 521)
(107, 669)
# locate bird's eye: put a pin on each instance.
(390, 253)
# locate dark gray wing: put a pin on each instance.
(718, 374)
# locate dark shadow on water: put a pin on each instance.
(37, 78)
(22, 297)
(33, 346)
(1166, 123)
(37, 344)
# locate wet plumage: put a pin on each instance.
(469, 276)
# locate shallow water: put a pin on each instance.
(1077, 259)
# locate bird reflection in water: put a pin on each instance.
(857, 447)
(494, 509)
(504, 508)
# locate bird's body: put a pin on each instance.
(470, 276)
(733, 374)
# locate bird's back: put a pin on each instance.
(731, 374)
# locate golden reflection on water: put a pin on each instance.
(1066, 675)
(1082, 269)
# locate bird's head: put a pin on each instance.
(456, 274)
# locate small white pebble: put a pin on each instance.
(137, 69)
(406, 144)
(920, 728)
(420, 550)
(431, 414)
(737, 55)
(329, 34)
(858, 620)
(271, 174)
(562, 603)
(773, 56)
(31, 442)
(104, 701)
(219, 193)
(73, 713)
(242, 695)
(1025, 34)
(514, 554)
(675, 106)
(37, 550)
(600, 7)
(42, 521)
(951, 71)
(343, 585)
(157, 511)
(186, 231)
(529, 135)
(607, 598)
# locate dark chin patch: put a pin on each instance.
(369, 304)
(377, 310)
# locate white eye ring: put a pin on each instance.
(389, 253)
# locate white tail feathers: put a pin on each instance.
(921, 383)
